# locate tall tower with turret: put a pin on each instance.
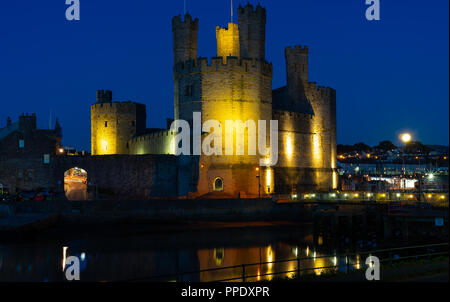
(185, 37)
(252, 31)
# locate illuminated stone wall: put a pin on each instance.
(158, 142)
(228, 41)
(307, 124)
(237, 90)
(113, 124)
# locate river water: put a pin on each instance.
(122, 257)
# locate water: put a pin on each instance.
(119, 257)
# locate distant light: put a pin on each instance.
(332, 195)
(398, 194)
(356, 195)
(442, 196)
(61, 150)
(406, 137)
(83, 256)
(430, 176)
(369, 195)
(257, 169)
(429, 195)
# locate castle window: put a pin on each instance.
(21, 143)
(189, 90)
(218, 184)
(106, 124)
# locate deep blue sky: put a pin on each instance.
(389, 75)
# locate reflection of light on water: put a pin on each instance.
(307, 251)
(320, 240)
(269, 256)
(317, 264)
(258, 275)
(64, 257)
(295, 251)
(291, 268)
(358, 266)
(335, 261)
(83, 256)
(314, 255)
(269, 259)
(218, 255)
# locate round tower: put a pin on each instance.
(252, 31)
(114, 123)
(185, 37)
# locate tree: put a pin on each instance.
(416, 147)
(361, 147)
(386, 146)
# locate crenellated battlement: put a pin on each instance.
(148, 137)
(251, 12)
(187, 23)
(325, 93)
(217, 64)
(116, 107)
(296, 50)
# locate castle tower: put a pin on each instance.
(27, 123)
(296, 64)
(114, 123)
(185, 37)
(252, 33)
(228, 41)
(297, 74)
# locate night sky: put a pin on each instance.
(390, 75)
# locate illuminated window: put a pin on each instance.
(21, 143)
(218, 184)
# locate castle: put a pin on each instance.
(235, 85)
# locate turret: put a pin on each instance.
(252, 31)
(27, 123)
(296, 64)
(185, 37)
(58, 128)
(104, 96)
(228, 41)
(297, 74)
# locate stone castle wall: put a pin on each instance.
(240, 89)
(113, 124)
(158, 142)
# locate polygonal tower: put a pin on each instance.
(114, 123)
(252, 31)
(185, 36)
